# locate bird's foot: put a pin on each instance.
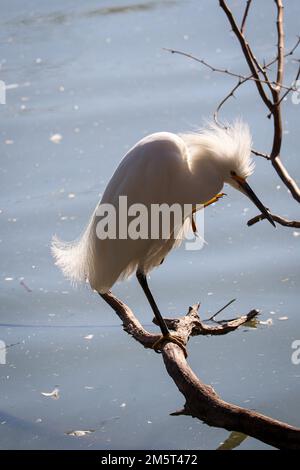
(157, 346)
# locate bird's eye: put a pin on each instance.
(233, 173)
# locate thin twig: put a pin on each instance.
(246, 12)
(249, 77)
(248, 56)
(261, 154)
(226, 71)
(221, 310)
(291, 88)
(277, 218)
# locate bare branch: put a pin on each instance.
(248, 55)
(280, 44)
(202, 401)
(241, 82)
(291, 88)
(261, 154)
(280, 220)
(274, 105)
(226, 71)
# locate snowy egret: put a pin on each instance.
(162, 168)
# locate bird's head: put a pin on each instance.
(240, 183)
(237, 162)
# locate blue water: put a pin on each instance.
(95, 73)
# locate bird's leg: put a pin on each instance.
(166, 335)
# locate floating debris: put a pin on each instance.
(89, 337)
(22, 283)
(283, 318)
(56, 138)
(123, 405)
(80, 433)
(54, 394)
(267, 322)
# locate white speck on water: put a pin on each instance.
(61, 88)
(89, 337)
(296, 234)
(283, 318)
(56, 138)
(80, 433)
(123, 405)
(71, 195)
(54, 394)
(38, 60)
(8, 141)
(210, 293)
(12, 86)
(9, 279)
(267, 322)
(38, 420)
(278, 186)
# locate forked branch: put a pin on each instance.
(201, 401)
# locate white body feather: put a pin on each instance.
(161, 168)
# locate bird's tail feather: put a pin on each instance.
(75, 258)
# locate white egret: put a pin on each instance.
(162, 168)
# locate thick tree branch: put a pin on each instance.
(202, 401)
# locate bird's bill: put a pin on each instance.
(252, 196)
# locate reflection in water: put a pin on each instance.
(233, 441)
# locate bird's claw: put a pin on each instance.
(157, 346)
